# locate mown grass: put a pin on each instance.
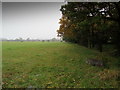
(55, 65)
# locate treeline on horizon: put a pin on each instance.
(28, 39)
(91, 24)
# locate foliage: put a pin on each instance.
(90, 24)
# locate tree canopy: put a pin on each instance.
(91, 23)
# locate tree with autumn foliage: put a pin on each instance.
(65, 29)
(91, 24)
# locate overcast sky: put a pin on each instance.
(33, 20)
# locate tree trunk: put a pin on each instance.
(99, 41)
(100, 46)
(93, 41)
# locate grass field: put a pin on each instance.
(55, 65)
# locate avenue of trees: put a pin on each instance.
(91, 24)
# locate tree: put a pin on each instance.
(88, 23)
(28, 39)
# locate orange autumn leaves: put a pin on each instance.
(66, 28)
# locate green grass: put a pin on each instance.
(54, 65)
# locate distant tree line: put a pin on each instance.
(28, 39)
(91, 24)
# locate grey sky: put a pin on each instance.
(33, 20)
